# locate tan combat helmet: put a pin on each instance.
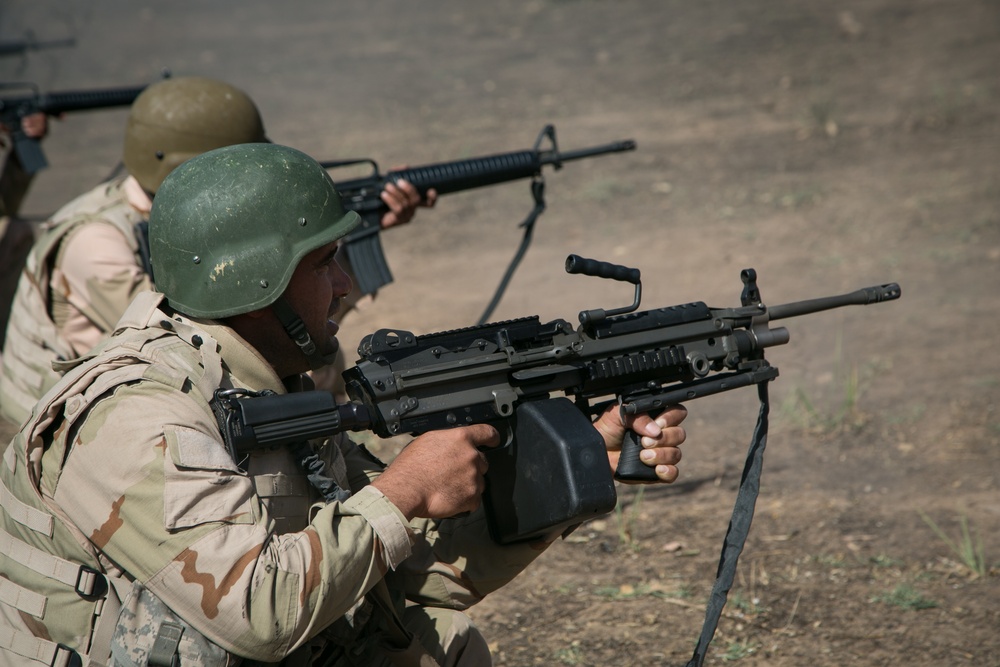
(173, 120)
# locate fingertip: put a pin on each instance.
(491, 437)
(666, 473)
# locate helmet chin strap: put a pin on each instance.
(296, 330)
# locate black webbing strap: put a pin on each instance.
(739, 527)
(296, 330)
(538, 192)
(315, 469)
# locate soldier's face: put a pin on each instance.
(315, 291)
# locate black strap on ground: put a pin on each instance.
(538, 192)
(739, 528)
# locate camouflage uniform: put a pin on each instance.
(81, 275)
(122, 469)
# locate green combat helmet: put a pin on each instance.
(229, 227)
(175, 119)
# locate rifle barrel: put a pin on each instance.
(13, 48)
(83, 100)
(459, 175)
(861, 297)
(613, 147)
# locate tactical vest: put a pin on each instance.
(33, 341)
(62, 603)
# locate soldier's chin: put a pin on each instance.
(329, 350)
(331, 347)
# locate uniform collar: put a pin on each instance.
(247, 368)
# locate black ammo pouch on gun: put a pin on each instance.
(553, 476)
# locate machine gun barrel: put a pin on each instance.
(861, 297)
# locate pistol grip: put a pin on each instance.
(29, 152)
(630, 467)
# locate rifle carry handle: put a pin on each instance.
(599, 269)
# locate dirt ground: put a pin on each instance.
(829, 146)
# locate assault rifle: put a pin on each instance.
(363, 245)
(552, 472)
(13, 109)
(20, 47)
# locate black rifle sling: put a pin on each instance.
(739, 527)
(538, 192)
(141, 230)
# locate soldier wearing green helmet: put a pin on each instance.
(170, 552)
(89, 264)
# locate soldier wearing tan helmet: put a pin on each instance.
(89, 263)
(172, 553)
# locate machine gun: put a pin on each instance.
(552, 472)
(363, 245)
(13, 109)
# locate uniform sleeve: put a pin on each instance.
(98, 276)
(161, 498)
(454, 563)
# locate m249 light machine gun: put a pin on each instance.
(552, 473)
(364, 246)
(541, 384)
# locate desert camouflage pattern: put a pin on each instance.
(126, 456)
(79, 278)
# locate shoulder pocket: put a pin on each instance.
(201, 483)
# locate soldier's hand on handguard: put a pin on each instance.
(661, 438)
(403, 198)
(439, 474)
